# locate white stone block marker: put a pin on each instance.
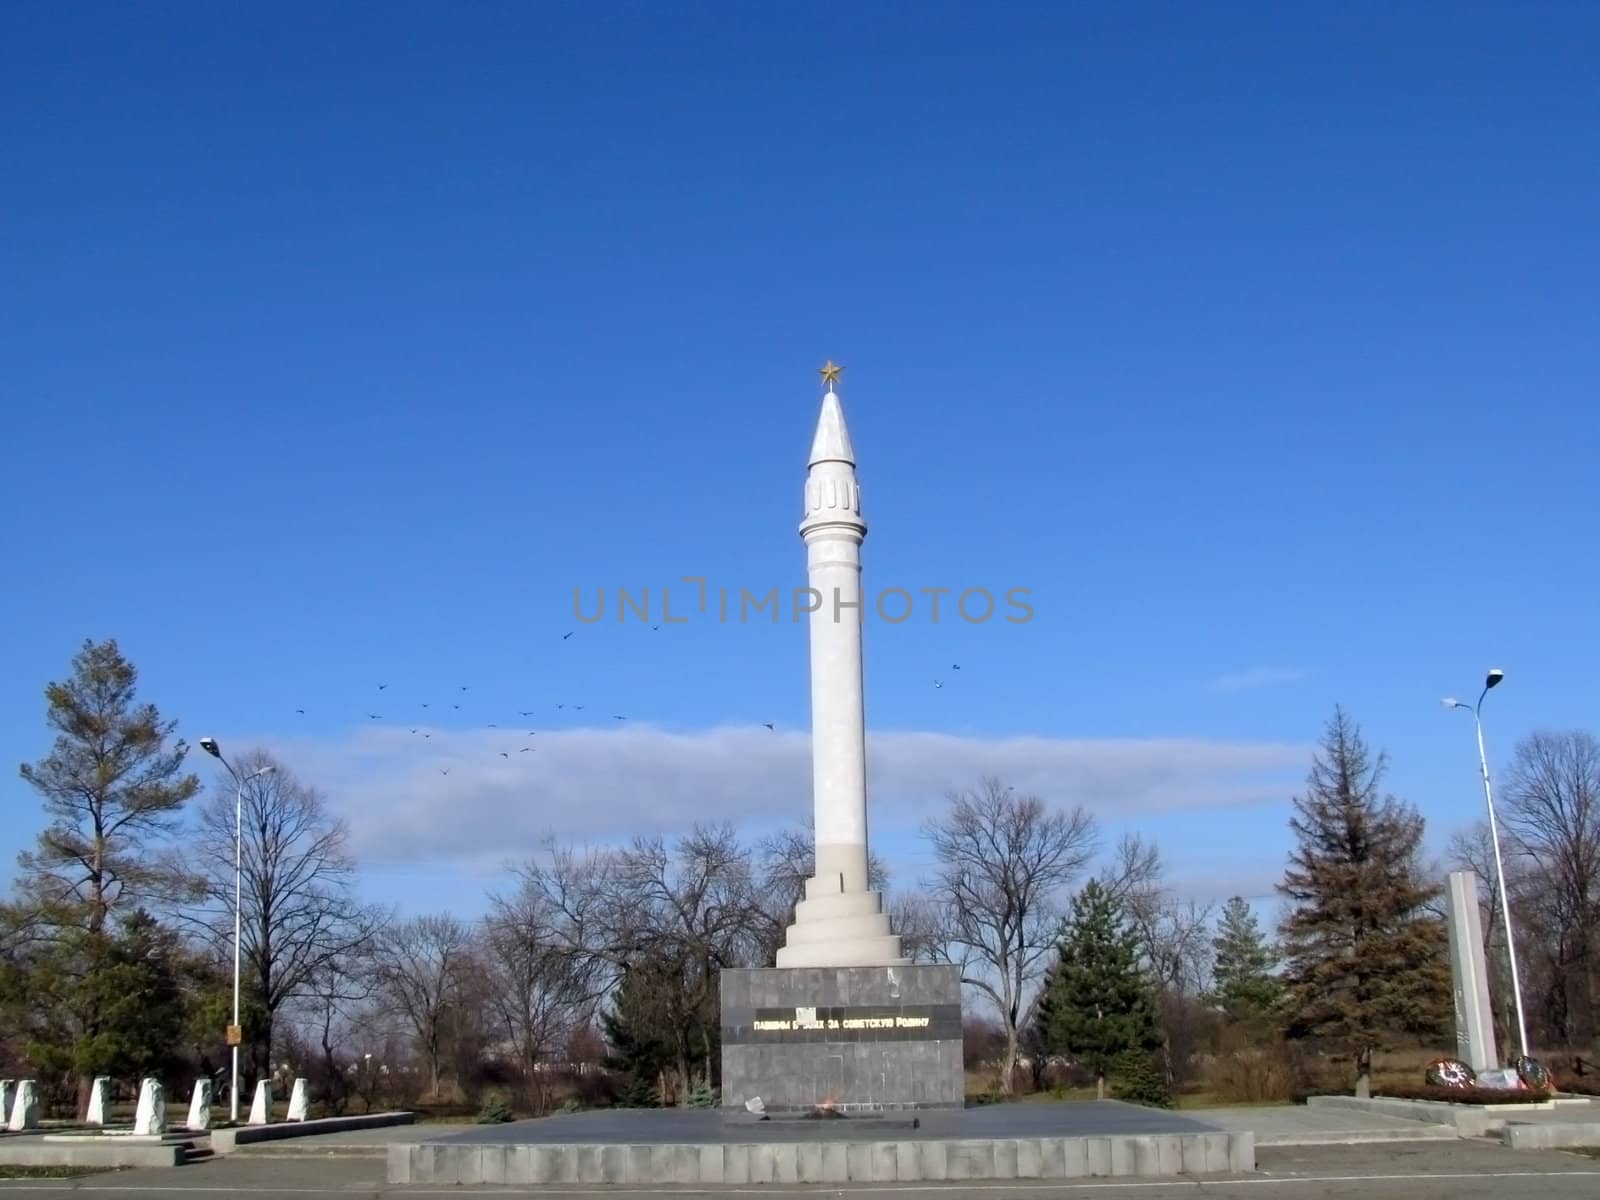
(299, 1102)
(261, 1106)
(25, 1107)
(8, 1091)
(200, 1107)
(99, 1102)
(840, 922)
(1469, 975)
(150, 1117)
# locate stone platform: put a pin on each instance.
(855, 1039)
(688, 1146)
(94, 1150)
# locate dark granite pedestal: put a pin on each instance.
(852, 1039)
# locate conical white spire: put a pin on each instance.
(832, 442)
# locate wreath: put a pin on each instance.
(1450, 1073)
(1535, 1077)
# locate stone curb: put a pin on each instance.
(926, 1160)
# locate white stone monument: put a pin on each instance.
(840, 922)
(99, 1102)
(261, 1106)
(299, 1102)
(1469, 976)
(25, 1107)
(200, 1107)
(843, 1022)
(150, 1117)
(8, 1090)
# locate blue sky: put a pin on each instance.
(339, 346)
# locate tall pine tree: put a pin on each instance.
(1243, 984)
(113, 781)
(1098, 1004)
(1365, 961)
(640, 1043)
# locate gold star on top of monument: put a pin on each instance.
(830, 373)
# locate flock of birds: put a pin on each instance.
(564, 706)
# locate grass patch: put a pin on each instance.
(1587, 1151)
(49, 1172)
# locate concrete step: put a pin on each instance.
(1417, 1132)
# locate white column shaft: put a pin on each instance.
(838, 729)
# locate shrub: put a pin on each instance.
(1138, 1078)
(701, 1096)
(1251, 1076)
(569, 1105)
(495, 1111)
(1473, 1095)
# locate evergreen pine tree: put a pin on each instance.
(1098, 1004)
(1243, 985)
(640, 1048)
(113, 780)
(1365, 961)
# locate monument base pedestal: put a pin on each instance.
(846, 1039)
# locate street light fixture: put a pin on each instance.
(1493, 678)
(209, 745)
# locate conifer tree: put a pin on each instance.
(1365, 961)
(1098, 1005)
(113, 780)
(640, 1051)
(1243, 985)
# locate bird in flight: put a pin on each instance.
(463, 687)
(614, 717)
(655, 627)
(565, 636)
(768, 724)
(559, 707)
(413, 731)
(938, 683)
(579, 707)
(492, 725)
(529, 713)
(381, 686)
(455, 706)
(532, 732)
(526, 750)
(427, 735)
(503, 754)
(444, 770)
(424, 704)
(955, 666)
(301, 711)
(376, 716)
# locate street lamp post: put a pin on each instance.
(209, 745)
(1493, 678)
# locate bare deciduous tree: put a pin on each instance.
(1552, 810)
(299, 910)
(540, 994)
(419, 967)
(682, 912)
(1003, 861)
(1174, 942)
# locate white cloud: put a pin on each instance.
(1257, 677)
(608, 784)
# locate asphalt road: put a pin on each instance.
(1395, 1171)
